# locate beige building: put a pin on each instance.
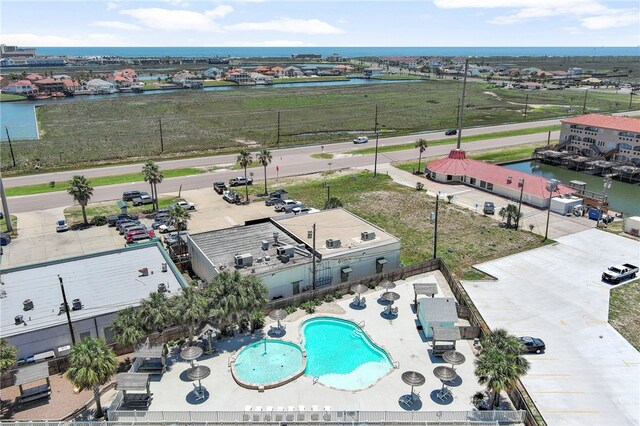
(598, 135)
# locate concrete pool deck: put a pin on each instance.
(399, 337)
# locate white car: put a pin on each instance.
(287, 205)
(186, 205)
(62, 226)
(361, 139)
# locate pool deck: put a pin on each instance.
(399, 337)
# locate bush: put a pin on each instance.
(329, 298)
(290, 309)
(419, 186)
(338, 294)
(99, 220)
(258, 320)
(332, 203)
(308, 306)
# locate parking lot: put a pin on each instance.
(38, 240)
(589, 374)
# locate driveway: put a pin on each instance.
(589, 375)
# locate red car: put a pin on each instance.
(139, 234)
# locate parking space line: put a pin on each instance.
(629, 364)
(548, 375)
(231, 221)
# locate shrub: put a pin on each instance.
(258, 320)
(290, 309)
(99, 220)
(338, 294)
(329, 298)
(309, 306)
(419, 186)
(332, 203)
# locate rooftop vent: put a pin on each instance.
(333, 243)
(143, 272)
(310, 233)
(284, 258)
(164, 267)
(63, 309)
(243, 260)
(19, 319)
(265, 245)
(162, 288)
(368, 235)
(275, 238)
(77, 305)
(27, 305)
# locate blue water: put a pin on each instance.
(19, 119)
(341, 355)
(268, 361)
(256, 52)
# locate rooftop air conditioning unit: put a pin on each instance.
(285, 249)
(265, 245)
(368, 235)
(63, 309)
(162, 288)
(284, 258)
(333, 243)
(27, 305)
(242, 260)
(76, 305)
(19, 319)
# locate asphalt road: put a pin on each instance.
(289, 161)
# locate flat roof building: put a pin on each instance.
(97, 286)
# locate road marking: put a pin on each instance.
(231, 221)
(631, 363)
(548, 375)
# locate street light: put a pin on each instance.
(435, 228)
(552, 185)
(375, 158)
(521, 186)
(606, 183)
(326, 185)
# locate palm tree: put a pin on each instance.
(156, 313)
(7, 355)
(245, 159)
(178, 217)
(510, 214)
(91, 365)
(191, 307)
(264, 158)
(153, 176)
(81, 192)
(421, 144)
(127, 328)
(254, 295)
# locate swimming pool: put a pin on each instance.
(268, 364)
(341, 355)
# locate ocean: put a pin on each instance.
(256, 52)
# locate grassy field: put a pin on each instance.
(624, 311)
(283, 80)
(322, 156)
(97, 181)
(199, 122)
(464, 238)
(14, 223)
(6, 97)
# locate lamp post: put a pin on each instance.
(521, 186)
(435, 228)
(606, 183)
(326, 185)
(552, 185)
(375, 158)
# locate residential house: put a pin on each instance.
(343, 69)
(572, 72)
(309, 70)
(292, 71)
(278, 71)
(458, 61)
(434, 62)
(50, 85)
(239, 76)
(34, 77)
(530, 71)
(70, 86)
(261, 79)
(530, 85)
(372, 72)
(187, 79)
(99, 86)
(21, 87)
(213, 73)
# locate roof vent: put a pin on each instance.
(310, 233)
(286, 249)
(19, 319)
(284, 258)
(368, 235)
(267, 258)
(162, 288)
(143, 272)
(77, 305)
(275, 238)
(265, 245)
(333, 243)
(164, 267)
(63, 309)
(27, 305)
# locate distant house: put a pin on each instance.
(212, 72)
(261, 79)
(71, 85)
(343, 69)
(100, 86)
(187, 79)
(434, 62)
(240, 76)
(309, 70)
(530, 85)
(292, 71)
(572, 72)
(486, 68)
(372, 72)
(49, 85)
(263, 70)
(458, 61)
(21, 87)
(34, 77)
(530, 71)
(278, 71)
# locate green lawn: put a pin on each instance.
(6, 97)
(14, 223)
(215, 83)
(624, 311)
(322, 156)
(97, 181)
(73, 215)
(283, 80)
(397, 77)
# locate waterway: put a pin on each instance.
(19, 117)
(623, 197)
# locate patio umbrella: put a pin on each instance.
(413, 378)
(191, 353)
(445, 374)
(391, 296)
(453, 357)
(278, 314)
(360, 288)
(208, 331)
(198, 373)
(387, 285)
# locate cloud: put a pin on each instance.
(116, 25)
(287, 25)
(592, 14)
(112, 5)
(174, 19)
(572, 30)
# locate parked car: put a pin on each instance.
(240, 180)
(130, 195)
(134, 229)
(301, 209)
(272, 201)
(142, 199)
(231, 197)
(158, 223)
(5, 239)
(489, 208)
(173, 237)
(111, 220)
(532, 344)
(126, 226)
(139, 234)
(120, 222)
(219, 187)
(186, 205)
(618, 273)
(62, 226)
(287, 205)
(361, 139)
(450, 132)
(163, 211)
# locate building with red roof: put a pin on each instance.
(34, 77)
(607, 137)
(50, 85)
(21, 87)
(457, 168)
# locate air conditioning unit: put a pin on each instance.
(162, 288)
(333, 243)
(285, 249)
(19, 319)
(242, 260)
(27, 305)
(76, 305)
(284, 258)
(368, 235)
(265, 245)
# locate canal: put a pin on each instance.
(623, 197)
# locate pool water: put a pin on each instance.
(341, 355)
(268, 362)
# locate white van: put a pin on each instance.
(361, 139)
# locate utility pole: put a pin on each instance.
(161, 137)
(5, 207)
(461, 115)
(549, 138)
(630, 98)
(435, 229)
(526, 105)
(375, 124)
(313, 260)
(521, 185)
(66, 309)
(584, 105)
(278, 139)
(6, 129)
(458, 112)
(375, 159)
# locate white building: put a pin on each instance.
(278, 250)
(100, 86)
(97, 286)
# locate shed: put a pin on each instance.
(632, 225)
(123, 206)
(30, 374)
(444, 339)
(436, 312)
(428, 288)
(149, 358)
(135, 390)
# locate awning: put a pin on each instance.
(381, 261)
(31, 373)
(347, 270)
(44, 355)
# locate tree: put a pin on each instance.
(153, 176)
(81, 192)
(91, 365)
(7, 355)
(245, 159)
(510, 214)
(127, 328)
(156, 313)
(421, 144)
(192, 308)
(500, 364)
(178, 217)
(264, 158)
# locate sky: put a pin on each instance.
(263, 23)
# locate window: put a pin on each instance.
(449, 177)
(86, 334)
(380, 262)
(108, 334)
(296, 287)
(472, 181)
(490, 186)
(483, 184)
